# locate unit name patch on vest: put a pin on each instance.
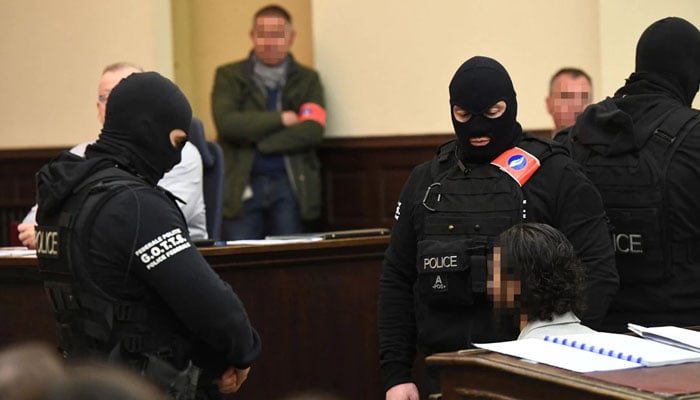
(162, 247)
(517, 163)
(47, 241)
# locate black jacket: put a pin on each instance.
(646, 100)
(139, 251)
(558, 194)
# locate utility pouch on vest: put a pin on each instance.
(450, 273)
(636, 240)
(631, 186)
(178, 384)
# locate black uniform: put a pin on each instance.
(125, 279)
(452, 233)
(657, 254)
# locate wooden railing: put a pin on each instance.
(362, 179)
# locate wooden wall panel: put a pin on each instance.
(18, 169)
(362, 179)
(379, 167)
(314, 306)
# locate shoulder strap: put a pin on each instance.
(90, 197)
(438, 165)
(669, 135)
(540, 147)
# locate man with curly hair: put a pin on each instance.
(551, 276)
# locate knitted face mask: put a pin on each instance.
(142, 110)
(670, 48)
(477, 86)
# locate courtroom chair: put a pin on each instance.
(213, 176)
(214, 190)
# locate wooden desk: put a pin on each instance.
(482, 374)
(313, 304)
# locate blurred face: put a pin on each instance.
(504, 289)
(272, 37)
(568, 98)
(108, 81)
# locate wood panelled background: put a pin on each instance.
(17, 186)
(362, 179)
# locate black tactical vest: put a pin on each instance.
(90, 322)
(633, 188)
(464, 211)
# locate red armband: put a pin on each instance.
(517, 163)
(313, 112)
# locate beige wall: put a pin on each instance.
(619, 40)
(52, 55)
(385, 64)
(387, 70)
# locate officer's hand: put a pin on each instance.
(404, 391)
(26, 235)
(232, 379)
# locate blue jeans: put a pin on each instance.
(273, 210)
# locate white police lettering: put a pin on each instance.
(46, 243)
(162, 247)
(628, 243)
(440, 262)
(397, 213)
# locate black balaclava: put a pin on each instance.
(477, 85)
(670, 49)
(142, 110)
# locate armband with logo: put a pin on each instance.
(517, 163)
(314, 112)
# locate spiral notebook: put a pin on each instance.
(594, 352)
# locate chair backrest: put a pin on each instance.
(213, 176)
(214, 190)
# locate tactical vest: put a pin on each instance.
(90, 322)
(634, 192)
(465, 210)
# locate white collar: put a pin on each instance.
(559, 319)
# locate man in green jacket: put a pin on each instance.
(269, 112)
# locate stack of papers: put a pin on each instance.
(671, 335)
(600, 351)
(11, 252)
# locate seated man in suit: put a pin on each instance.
(184, 180)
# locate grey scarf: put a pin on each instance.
(270, 78)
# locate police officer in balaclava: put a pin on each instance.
(647, 136)
(668, 55)
(125, 281)
(437, 286)
(138, 126)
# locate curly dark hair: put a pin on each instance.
(552, 276)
